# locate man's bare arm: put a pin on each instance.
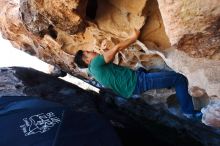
(110, 54)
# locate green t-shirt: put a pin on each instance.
(121, 80)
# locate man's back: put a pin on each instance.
(120, 79)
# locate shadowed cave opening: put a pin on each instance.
(50, 31)
(91, 9)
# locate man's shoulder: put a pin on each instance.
(98, 58)
(97, 62)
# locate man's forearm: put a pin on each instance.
(126, 43)
(109, 55)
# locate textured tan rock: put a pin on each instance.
(120, 17)
(54, 36)
(153, 30)
(201, 72)
(64, 14)
(130, 6)
(193, 26)
(12, 28)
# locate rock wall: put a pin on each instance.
(185, 35)
(193, 28)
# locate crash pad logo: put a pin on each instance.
(39, 123)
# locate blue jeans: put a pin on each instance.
(166, 79)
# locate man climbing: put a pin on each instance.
(126, 82)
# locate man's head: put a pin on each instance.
(83, 58)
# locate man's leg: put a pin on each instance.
(166, 79)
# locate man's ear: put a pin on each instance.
(87, 61)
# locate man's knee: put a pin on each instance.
(182, 78)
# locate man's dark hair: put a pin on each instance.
(79, 59)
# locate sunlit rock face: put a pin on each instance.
(65, 14)
(121, 16)
(153, 34)
(193, 28)
(185, 35)
(42, 28)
